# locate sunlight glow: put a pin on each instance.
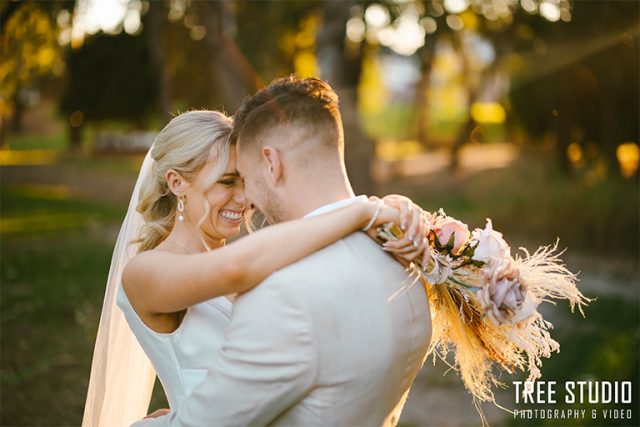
(529, 5)
(109, 16)
(356, 29)
(574, 153)
(488, 112)
(390, 150)
(429, 24)
(27, 157)
(456, 6)
(550, 11)
(628, 155)
(377, 15)
(455, 22)
(105, 15)
(406, 37)
(37, 223)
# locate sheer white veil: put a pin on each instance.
(122, 377)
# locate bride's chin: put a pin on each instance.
(228, 230)
(232, 234)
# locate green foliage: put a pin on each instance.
(30, 49)
(111, 77)
(273, 55)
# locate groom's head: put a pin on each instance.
(290, 146)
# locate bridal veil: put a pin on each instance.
(122, 377)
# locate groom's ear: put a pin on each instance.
(274, 162)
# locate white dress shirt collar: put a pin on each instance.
(336, 205)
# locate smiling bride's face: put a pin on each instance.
(226, 199)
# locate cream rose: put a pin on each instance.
(502, 293)
(529, 308)
(441, 269)
(445, 227)
(491, 247)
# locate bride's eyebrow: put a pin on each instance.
(234, 174)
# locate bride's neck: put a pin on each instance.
(191, 240)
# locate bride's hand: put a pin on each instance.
(414, 225)
(408, 215)
(157, 413)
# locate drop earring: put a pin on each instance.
(180, 208)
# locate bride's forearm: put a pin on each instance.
(277, 246)
(162, 282)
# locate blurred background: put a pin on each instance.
(526, 111)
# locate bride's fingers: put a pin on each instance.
(405, 209)
(399, 244)
(409, 256)
(410, 252)
(425, 256)
(157, 413)
(387, 214)
(421, 229)
(412, 226)
(409, 215)
(418, 254)
(404, 250)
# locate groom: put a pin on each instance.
(334, 339)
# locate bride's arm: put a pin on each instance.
(164, 282)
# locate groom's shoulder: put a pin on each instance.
(343, 259)
(355, 260)
(355, 247)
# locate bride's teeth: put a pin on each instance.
(231, 215)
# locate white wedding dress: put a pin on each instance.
(181, 358)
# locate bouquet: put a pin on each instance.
(484, 301)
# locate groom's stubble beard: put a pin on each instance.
(271, 206)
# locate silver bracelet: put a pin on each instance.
(379, 204)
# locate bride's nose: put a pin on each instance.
(241, 198)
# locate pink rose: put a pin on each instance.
(448, 226)
(502, 293)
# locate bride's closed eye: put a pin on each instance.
(229, 182)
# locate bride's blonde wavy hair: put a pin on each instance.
(186, 144)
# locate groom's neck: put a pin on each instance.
(314, 195)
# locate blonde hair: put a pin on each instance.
(185, 145)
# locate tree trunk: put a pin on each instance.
(3, 134)
(342, 69)
(464, 133)
(421, 104)
(18, 113)
(231, 73)
(154, 23)
(501, 45)
(75, 138)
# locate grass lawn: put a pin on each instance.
(56, 250)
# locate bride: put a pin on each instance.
(178, 277)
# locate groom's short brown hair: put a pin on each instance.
(308, 102)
